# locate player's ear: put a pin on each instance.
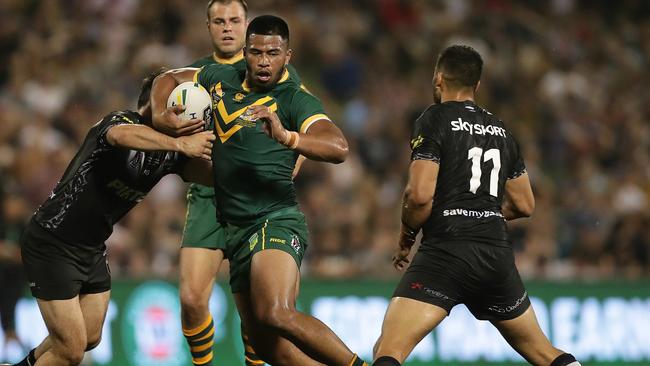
(288, 56)
(476, 87)
(437, 80)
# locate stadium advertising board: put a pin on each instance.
(600, 323)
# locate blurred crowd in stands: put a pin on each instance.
(568, 77)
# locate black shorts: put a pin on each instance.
(481, 276)
(60, 271)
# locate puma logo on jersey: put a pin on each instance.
(477, 129)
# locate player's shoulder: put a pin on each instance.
(221, 68)
(122, 116)
(295, 91)
(432, 114)
(212, 73)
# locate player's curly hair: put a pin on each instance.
(243, 3)
(460, 65)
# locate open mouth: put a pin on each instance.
(227, 39)
(263, 76)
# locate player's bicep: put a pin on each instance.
(184, 74)
(421, 186)
(519, 193)
(108, 134)
(323, 127)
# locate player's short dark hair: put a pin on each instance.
(243, 3)
(461, 65)
(145, 89)
(268, 25)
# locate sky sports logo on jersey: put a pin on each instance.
(477, 129)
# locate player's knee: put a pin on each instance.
(192, 301)
(275, 317)
(72, 353)
(93, 342)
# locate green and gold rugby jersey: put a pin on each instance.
(239, 63)
(252, 171)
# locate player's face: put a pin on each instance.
(266, 57)
(227, 27)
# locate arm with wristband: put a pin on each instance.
(316, 137)
(416, 207)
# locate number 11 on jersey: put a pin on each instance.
(475, 154)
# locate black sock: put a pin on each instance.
(386, 361)
(250, 357)
(565, 359)
(30, 360)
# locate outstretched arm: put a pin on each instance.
(323, 141)
(145, 138)
(165, 119)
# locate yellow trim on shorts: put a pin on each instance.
(264, 234)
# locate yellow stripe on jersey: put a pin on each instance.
(195, 78)
(229, 117)
(303, 87)
(309, 121)
(224, 136)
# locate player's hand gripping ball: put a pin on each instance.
(195, 99)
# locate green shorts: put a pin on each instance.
(202, 230)
(284, 229)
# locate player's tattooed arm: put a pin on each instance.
(166, 119)
(518, 200)
(416, 206)
(198, 171)
(145, 138)
(323, 141)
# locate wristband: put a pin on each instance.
(287, 139)
(408, 231)
(292, 140)
(294, 145)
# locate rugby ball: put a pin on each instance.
(197, 101)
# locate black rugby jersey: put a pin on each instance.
(101, 184)
(476, 155)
